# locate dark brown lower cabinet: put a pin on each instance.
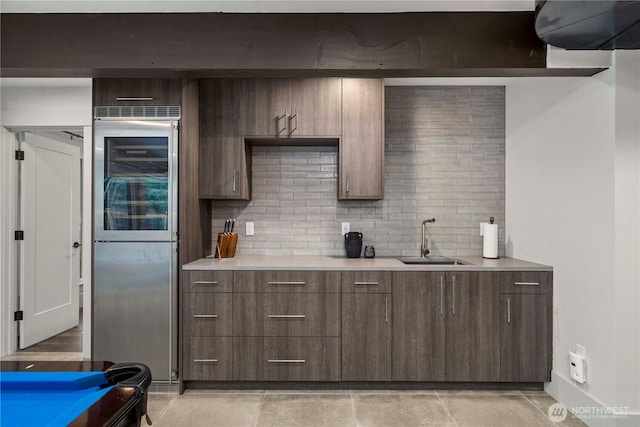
(366, 337)
(525, 336)
(446, 326)
(418, 349)
(473, 326)
(208, 359)
(286, 358)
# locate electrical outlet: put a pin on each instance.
(577, 365)
(249, 229)
(346, 227)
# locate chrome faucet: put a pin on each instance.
(424, 248)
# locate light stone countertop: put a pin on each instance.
(329, 263)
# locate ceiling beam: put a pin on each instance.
(247, 45)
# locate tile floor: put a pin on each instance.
(337, 408)
(352, 408)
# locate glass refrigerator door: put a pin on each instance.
(136, 183)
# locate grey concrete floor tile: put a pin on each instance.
(394, 391)
(544, 401)
(402, 410)
(301, 409)
(224, 391)
(157, 404)
(494, 410)
(478, 392)
(212, 409)
(337, 391)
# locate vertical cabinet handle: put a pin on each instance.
(347, 181)
(279, 130)
(453, 306)
(508, 310)
(234, 181)
(386, 310)
(441, 294)
(293, 128)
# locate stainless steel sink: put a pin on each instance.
(432, 261)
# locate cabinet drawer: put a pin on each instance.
(208, 315)
(526, 282)
(366, 282)
(208, 359)
(208, 281)
(287, 359)
(287, 281)
(288, 315)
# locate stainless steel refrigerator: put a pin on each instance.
(135, 240)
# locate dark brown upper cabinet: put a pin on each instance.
(128, 92)
(285, 108)
(361, 174)
(224, 163)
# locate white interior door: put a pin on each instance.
(49, 296)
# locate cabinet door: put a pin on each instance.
(224, 169)
(208, 359)
(207, 315)
(316, 107)
(286, 358)
(266, 106)
(282, 314)
(525, 338)
(366, 337)
(473, 326)
(418, 322)
(137, 92)
(362, 143)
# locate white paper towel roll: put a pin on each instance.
(490, 240)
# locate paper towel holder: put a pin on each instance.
(490, 239)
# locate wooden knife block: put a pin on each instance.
(226, 246)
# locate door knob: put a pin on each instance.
(76, 245)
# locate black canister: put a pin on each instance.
(353, 244)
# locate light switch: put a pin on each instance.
(249, 230)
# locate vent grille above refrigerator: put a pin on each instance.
(138, 112)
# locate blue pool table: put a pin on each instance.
(72, 394)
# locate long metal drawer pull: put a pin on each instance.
(134, 98)
(508, 310)
(453, 308)
(441, 294)
(205, 282)
(205, 360)
(366, 283)
(288, 283)
(286, 361)
(526, 283)
(205, 316)
(286, 316)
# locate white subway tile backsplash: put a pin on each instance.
(444, 158)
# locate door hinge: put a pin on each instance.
(18, 315)
(19, 235)
(19, 155)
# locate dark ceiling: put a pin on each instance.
(589, 25)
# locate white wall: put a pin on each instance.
(572, 202)
(40, 104)
(627, 228)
